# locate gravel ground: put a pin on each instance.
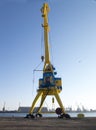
(18, 123)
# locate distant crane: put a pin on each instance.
(49, 84)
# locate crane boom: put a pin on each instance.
(49, 80)
(45, 10)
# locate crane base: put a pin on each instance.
(38, 115)
(30, 116)
(33, 116)
(67, 116)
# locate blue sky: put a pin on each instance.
(73, 50)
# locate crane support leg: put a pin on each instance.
(34, 102)
(42, 101)
(59, 102)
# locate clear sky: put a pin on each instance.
(73, 50)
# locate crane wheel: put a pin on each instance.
(67, 116)
(38, 115)
(30, 116)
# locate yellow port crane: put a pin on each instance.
(49, 84)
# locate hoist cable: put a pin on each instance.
(42, 42)
(37, 66)
(34, 76)
(50, 40)
(51, 49)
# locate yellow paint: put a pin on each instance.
(53, 90)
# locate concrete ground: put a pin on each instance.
(20, 123)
